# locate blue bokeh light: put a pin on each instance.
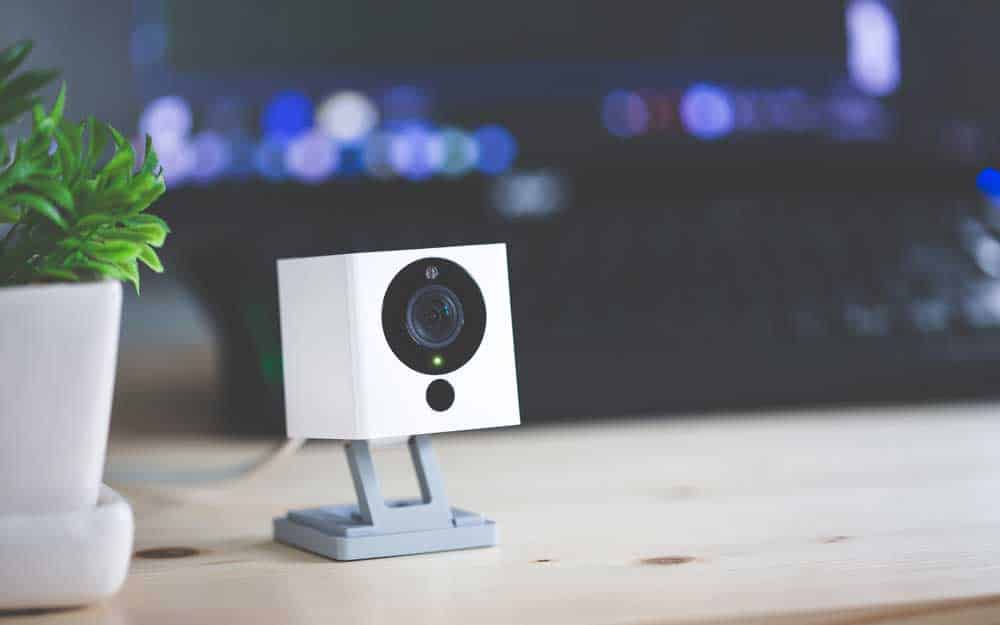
(312, 157)
(624, 114)
(352, 162)
(375, 155)
(988, 182)
(707, 112)
(213, 154)
(497, 149)
(269, 159)
(287, 114)
(410, 152)
(243, 149)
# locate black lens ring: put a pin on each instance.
(402, 288)
(414, 325)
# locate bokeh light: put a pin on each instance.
(269, 158)
(497, 149)
(412, 153)
(168, 121)
(529, 195)
(460, 152)
(347, 116)
(351, 161)
(212, 156)
(375, 155)
(178, 160)
(707, 112)
(242, 151)
(312, 157)
(872, 47)
(625, 114)
(854, 116)
(287, 114)
(988, 181)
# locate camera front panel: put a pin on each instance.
(433, 316)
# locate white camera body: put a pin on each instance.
(365, 343)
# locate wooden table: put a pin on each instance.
(844, 516)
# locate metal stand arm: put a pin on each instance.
(431, 511)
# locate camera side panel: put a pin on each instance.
(317, 352)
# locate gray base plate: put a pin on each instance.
(470, 531)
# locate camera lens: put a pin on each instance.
(434, 316)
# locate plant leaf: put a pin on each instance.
(53, 190)
(13, 107)
(8, 214)
(65, 196)
(98, 141)
(117, 169)
(151, 164)
(147, 219)
(123, 161)
(60, 273)
(68, 162)
(154, 234)
(56, 114)
(124, 235)
(101, 268)
(74, 136)
(146, 199)
(150, 259)
(37, 114)
(117, 251)
(96, 219)
(71, 243)
(41, 206)
(27, 83)
(131, 271)
(12, 56)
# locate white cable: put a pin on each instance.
(199, 485)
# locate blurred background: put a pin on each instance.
(708, 204)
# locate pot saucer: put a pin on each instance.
(66, 559)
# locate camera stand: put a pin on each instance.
(376, 528)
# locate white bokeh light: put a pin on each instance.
(872, 47)
(347, 116)
(178, 161)
(312, 157)
(168, 121)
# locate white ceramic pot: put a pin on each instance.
(58, 348)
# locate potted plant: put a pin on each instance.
(73, 225)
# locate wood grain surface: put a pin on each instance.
(849, 516)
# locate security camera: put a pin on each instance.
(390, 344)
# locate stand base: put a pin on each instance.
(337, 532)
(376, 528)
(68, 559)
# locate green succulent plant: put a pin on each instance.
(72, 201)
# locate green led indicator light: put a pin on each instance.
(437, 360)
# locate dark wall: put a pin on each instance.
(89, 41)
